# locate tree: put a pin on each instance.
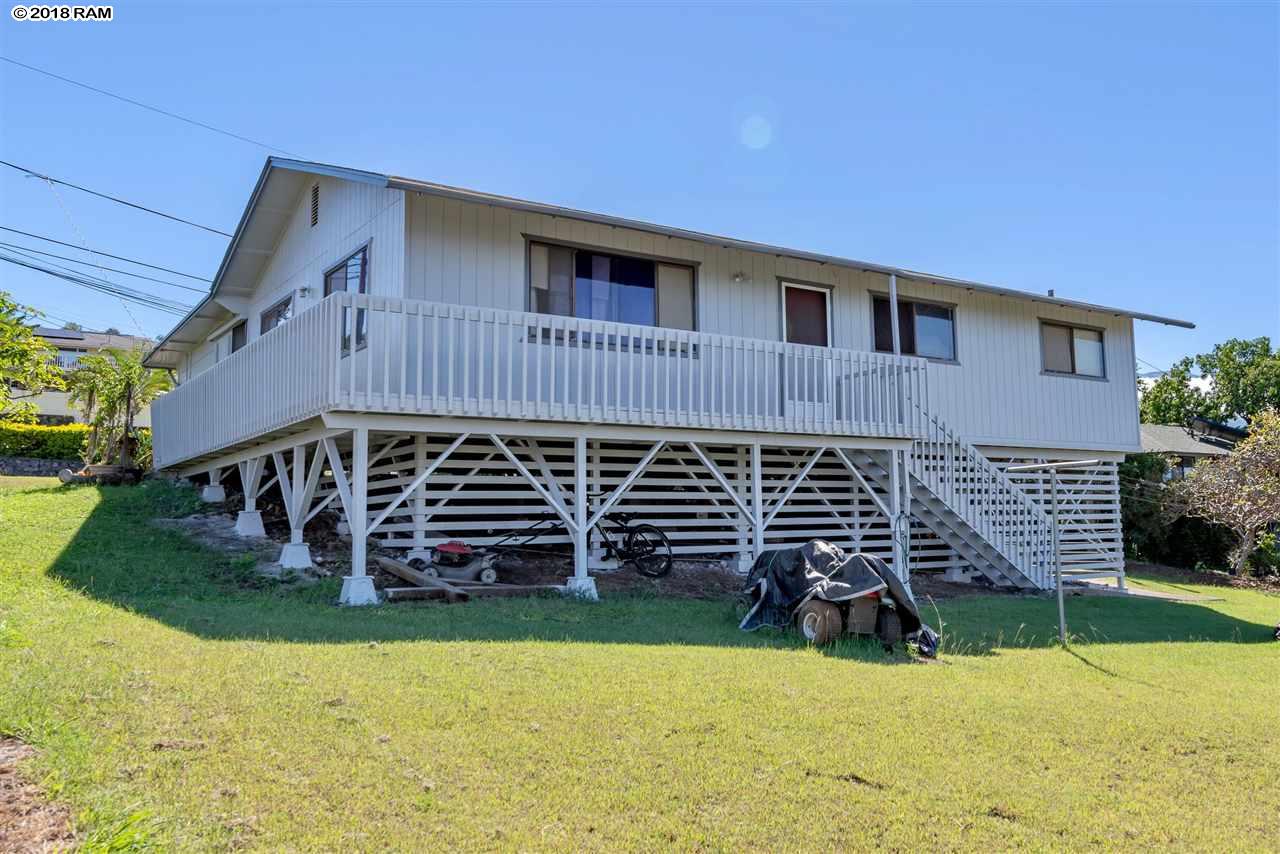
(1172, 399)
(1241, 491)
(28, 363)
(110, 388)
(1246, 378)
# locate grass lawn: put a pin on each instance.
(17, 483)
(175, 706)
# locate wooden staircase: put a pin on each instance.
(972, 506)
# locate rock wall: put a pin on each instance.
(34, 467)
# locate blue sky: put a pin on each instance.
(1119, 154)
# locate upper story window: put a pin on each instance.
(924, 328)
(231, 340)
(1075, 350)
(350, 274)
(600, 286)
(276, 315)
(239, 335)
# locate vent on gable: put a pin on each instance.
(315, 203)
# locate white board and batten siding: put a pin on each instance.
(350, 215)
(995, 393)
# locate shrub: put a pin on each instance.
(1153, 531)
(63, 442)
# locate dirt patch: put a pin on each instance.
(216, 531)
(929, 585)
(1176, 575)
(688, 579)
(29, 821)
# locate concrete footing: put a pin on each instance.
(295, 556)
(249, 524)
(582, 588)
(213, 494)
(358, 590)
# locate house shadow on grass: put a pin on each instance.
(117, 556)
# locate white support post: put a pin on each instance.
(899, 524)
(893, 313)
(581, 584)
(741, 483)
(213, 493)
(596, 545)
(249, 521)
(357, 588)
(757, 503)
(296, 554)
(419, 495)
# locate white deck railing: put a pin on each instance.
(413, 356)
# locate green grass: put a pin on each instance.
(16, 483)
(176, 707)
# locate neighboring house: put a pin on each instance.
(1189, 445)
(53, 406)
(436, 363)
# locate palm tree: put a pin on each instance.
(111, 388)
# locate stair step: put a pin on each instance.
(948, 524)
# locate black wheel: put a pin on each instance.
(888, 627)
(646, 548)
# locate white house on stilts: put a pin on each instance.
(435, 363)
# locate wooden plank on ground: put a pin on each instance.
(421, 579)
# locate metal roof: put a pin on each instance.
(463, 194)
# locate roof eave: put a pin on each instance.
(462, 194)
(272, 163)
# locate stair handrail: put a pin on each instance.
(1028, 541)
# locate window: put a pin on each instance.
(315, 204)
(351, 275)
(276, 315)
(239, 335)
(924, 328)
(806, 314)
(619, 288)
(1072, 350)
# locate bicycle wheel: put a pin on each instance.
(646, 548)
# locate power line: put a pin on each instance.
(119, 201)
(104, 254)
(162, 112)
(102, 286)
(28, 250)
(71, 220)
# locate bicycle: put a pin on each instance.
(641, 545)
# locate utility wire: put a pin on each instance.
(119, 201)
(104, 254)
(28, 250)
(119, 291)
(71, 220)
(102, 286)
(162, 112)
(105, 281)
